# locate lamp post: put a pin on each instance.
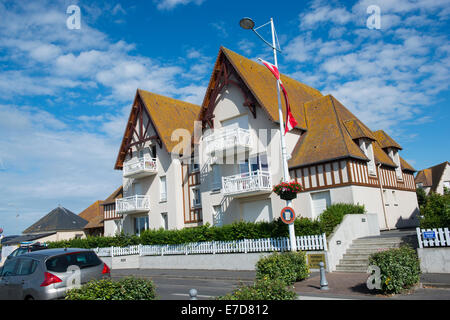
(249, 24)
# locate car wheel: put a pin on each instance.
(29, 298)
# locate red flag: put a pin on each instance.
(290, 120)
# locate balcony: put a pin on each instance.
(247, 184)
(133, 204)
(140, 167)
(227, 142)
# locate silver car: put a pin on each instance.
(48, 274)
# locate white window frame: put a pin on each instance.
(146, 223)
(393, 153)
(165, 220)
(367, 148)
(163, 189)
(217, 215)
(196, 200)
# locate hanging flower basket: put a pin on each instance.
(287, 190)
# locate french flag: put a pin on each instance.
(290, 120)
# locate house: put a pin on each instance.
(186, 165)
(112, 221)
(60, 223)
(434, 179)
(94, 215)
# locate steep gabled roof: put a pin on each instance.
(59, 219)
(166, 114)
(262, 85)
(431, 177)
(326, 138)
(385, 140)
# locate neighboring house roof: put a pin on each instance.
(28, 237)
(94, 215)
(431, 177)
(385, 140)
(59, 219)
(117, 194)
(262, 84)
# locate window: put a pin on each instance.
(9, 268)
(216, 177)
(140, 224)
(393, 153)
(196, 197)
(217, 215)
(164, 221)
(394, 198)
(84, 259)
(366, 147)
(255, 163)
(163, 189)
(320, 202)
(26, 266)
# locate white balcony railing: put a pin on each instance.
(140, 167)
(226, 140)
(247, 184)
(133, 204)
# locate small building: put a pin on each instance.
(111, 220)
(61, 222)
(434, 179)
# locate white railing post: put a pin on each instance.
(112, 251)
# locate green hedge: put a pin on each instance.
(288, 267)
(128, 288)
(435, 211)
(329, 219)
(263, 289)
(399, 267)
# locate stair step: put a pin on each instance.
(378, 241)
(374, 245)
(349, 268)
(347, 262)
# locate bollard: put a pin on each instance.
(323, 279)
(193, 294)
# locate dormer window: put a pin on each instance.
(366, 147)
(393, 154)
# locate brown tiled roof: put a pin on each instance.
(93, 214)
(262, 84)
(431, 177)
(326, 138)
(169, 114)
(358, 130)
(406, 166)
(385, 140)
(117, 194)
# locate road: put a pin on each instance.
(175, 284)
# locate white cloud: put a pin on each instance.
(171, 4)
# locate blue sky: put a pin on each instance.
(65, 94)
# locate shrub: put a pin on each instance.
(399, 268)
(421, 197)
(105, 289)
(288, 267)
(262, 289)
(335, 213)
(436, 211)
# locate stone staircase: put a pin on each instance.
(356, 259)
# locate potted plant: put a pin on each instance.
(287, 190)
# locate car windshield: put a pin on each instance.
(82, 259)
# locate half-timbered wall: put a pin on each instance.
(109, 212)
(348, 172)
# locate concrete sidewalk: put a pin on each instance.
(352, 286)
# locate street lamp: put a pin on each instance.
(249, 24)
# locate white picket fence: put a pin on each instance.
(304, 243)
(437, 237)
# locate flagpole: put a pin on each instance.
(286, 177)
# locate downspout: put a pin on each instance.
(382, 197)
